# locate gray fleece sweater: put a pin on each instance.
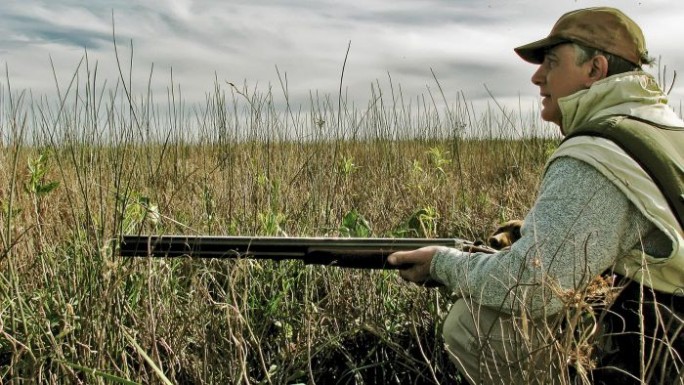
(579, 225)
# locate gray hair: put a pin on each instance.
(616, 64)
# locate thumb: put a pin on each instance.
(411, 257)
(407, 257)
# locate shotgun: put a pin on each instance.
(361, 253)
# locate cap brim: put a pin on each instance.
(534, 52)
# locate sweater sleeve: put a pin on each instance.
(578, 226)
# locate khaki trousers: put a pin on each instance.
(490, 347)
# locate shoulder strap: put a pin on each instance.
(659, 150)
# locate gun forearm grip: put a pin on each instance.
(359, 258)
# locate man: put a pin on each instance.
(605, 205)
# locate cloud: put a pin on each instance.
(467, 43)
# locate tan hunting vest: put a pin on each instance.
(646, 162)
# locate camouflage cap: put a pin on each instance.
(604, 28)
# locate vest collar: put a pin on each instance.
(633, 93)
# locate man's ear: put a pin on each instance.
(598, 69)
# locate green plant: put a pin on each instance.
(421, 223)
(138, 210)
(271, 223)
(354, 224)
(438, 159)
(347, 166)
(37, 169)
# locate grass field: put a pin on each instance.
(78, 173)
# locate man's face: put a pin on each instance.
(560, 76)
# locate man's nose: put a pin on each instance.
(538, 76)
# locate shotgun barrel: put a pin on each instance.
(362, 253)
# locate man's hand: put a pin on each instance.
(417, 263)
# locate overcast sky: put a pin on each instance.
(467, 43)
